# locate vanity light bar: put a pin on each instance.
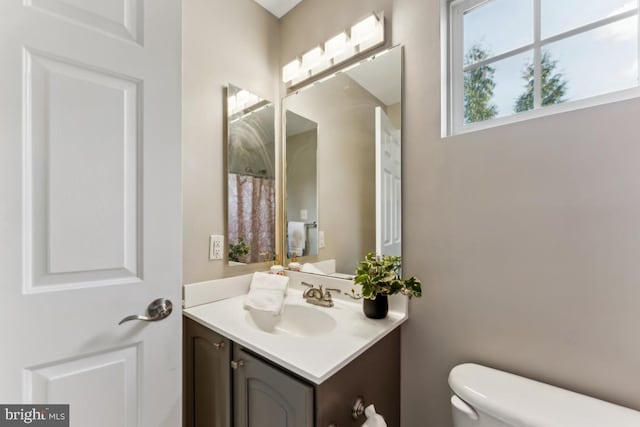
(362, 36)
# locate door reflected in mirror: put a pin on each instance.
(302, 186)
(355, 120)
(251, 184)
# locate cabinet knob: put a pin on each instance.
(218, 345)
(235, 364)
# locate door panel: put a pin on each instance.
(90, 207)
(388, 186)
(115, 371)
(120, 18)
(81, 169)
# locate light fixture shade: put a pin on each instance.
(315, 61)
(364, 30)
(242, 97)
(291, 70)
(337, 45)
(312, 58)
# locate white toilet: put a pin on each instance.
(485, 397)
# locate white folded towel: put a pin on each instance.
(296, 238)
(267, 293)
(307, 267)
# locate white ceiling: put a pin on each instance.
(278, 8)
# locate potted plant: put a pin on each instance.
(379, 277)
(238, 250)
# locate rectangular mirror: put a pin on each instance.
(344, 131)
(251, 184)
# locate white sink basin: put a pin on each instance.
(296, 320)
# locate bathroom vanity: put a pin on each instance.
(238, 370)
(308, 367)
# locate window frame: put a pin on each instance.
(456, 68)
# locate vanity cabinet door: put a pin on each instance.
(207, 377)
(265, 396)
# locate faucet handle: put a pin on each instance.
(327, 293)
(312, 290)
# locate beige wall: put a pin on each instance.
(394, 112)
(526, 236)
(223, 42)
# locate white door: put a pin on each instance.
(388, 186)
(90, 222)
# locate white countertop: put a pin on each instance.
(314, 358)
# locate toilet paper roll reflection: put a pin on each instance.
(373, 419)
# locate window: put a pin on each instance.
(512, 59)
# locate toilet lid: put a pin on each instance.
(522, 402)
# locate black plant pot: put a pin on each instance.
(376, 308)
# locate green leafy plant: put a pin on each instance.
(380, 275)
(238, 250)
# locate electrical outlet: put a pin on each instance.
(320, 239)
(303, 214)
(216, 247)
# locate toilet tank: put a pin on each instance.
(486, 397)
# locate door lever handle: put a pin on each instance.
(157, 310)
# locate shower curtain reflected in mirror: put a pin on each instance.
(251, 218)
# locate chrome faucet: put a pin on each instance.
(318, 296)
